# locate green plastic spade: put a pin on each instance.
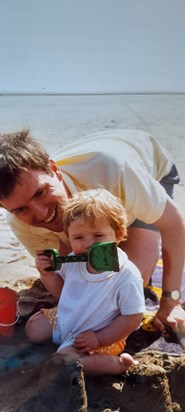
(102, 256)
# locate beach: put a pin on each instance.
(59, 120)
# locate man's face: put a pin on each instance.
(35, 199)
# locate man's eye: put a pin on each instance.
(20, 211)
(40, 193)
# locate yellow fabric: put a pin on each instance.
(51, 315)
(157, 291)
(148, 316)
(147, 321)
(115, 349)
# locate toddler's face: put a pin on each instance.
(83, 233)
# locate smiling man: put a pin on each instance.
(129, 163)
(36, 205)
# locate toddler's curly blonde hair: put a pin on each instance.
(95, 203)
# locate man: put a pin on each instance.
(129, 163)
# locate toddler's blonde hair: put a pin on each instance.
(95, 203)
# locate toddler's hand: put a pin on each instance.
(42, 262)
(86, 342)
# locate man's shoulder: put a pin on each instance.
(16, 223)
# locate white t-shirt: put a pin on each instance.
(128, 163)
(91, 301)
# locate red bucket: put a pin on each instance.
(8, 311)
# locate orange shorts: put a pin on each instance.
(114, 349)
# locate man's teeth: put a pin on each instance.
(51, 217)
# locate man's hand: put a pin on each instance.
(171, 314)
(86, 342)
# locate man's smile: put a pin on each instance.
(51, 217)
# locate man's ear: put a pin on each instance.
(55, 169)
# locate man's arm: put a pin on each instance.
(172, 229)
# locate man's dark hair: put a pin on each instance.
(19, 152)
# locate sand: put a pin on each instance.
(55, 121)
